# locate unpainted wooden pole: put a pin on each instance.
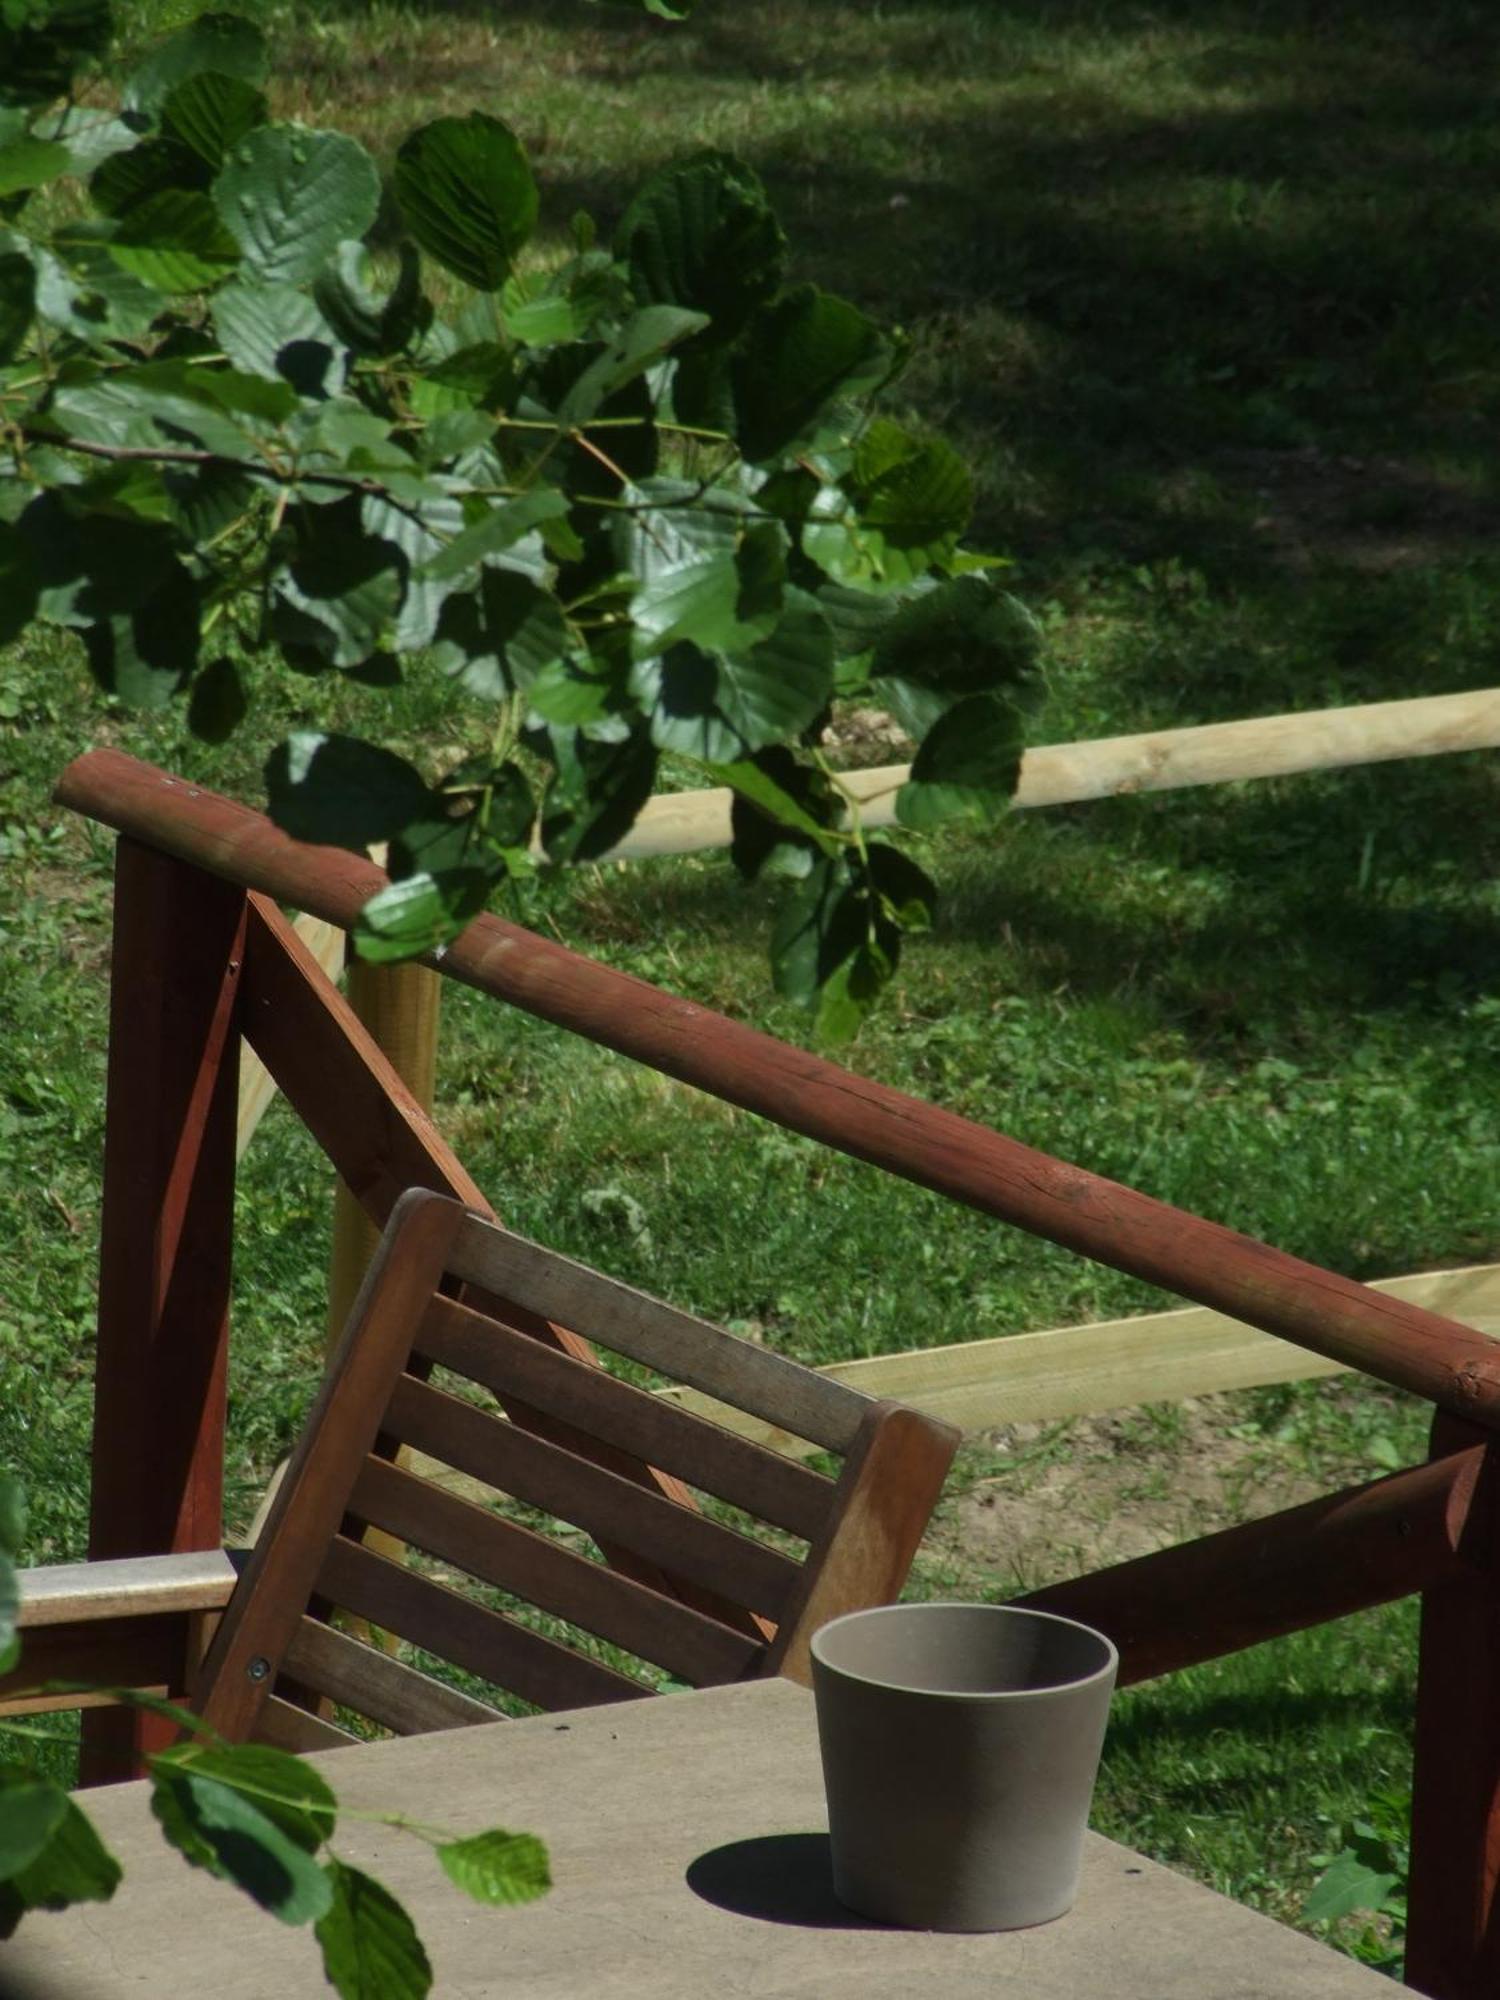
(1453, 1933)
(399, 1006)
(166, 1235)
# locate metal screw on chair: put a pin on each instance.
(259, 1668)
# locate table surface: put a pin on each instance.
(689, 1857)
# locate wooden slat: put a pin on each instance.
(148, 1652)
(1052, 774)
(166, 1231)
(334, 1076)
(1453, 1931)
(257, 1089)
(75, 1593)
(890, 1485)
(1338, 1554)
(286, 1727)
(1068, 1371)
(604, 1505)
(659, 1336)
(587, 1398)
(670, 1634)
(454, 1628)
(369, 1681)
(339, 1433)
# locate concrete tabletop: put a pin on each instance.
(689, 1857)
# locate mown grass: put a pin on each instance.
(1206, 293)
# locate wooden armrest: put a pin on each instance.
(128, 1587)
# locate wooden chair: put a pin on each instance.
(623, 1576)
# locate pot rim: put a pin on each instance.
(1048, 1691)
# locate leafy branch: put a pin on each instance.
(253, 1816)
(637, 497)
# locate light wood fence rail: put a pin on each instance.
(1070, 1371)
(1054, 774)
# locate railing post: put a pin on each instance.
(166, 1231)
(1453, 1936)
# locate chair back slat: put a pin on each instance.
(571, 1535)
(674, 1343)
(369, 1681)
(442, 1621)
(542, 1474)
(512, 1364)
(286, 1727)
(599, 1600)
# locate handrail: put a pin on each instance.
(1451, 1365)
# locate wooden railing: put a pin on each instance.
(203, 956)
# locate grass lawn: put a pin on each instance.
(1207, 295)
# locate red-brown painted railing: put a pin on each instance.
(1453, 1366)
(194, 962)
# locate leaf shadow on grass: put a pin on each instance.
(1121, 284)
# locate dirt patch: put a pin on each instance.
(1033, 1503)
(1371, 514)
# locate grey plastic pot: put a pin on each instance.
(960, 1745)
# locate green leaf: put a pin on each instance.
(73, 1867)
(1346, 1885)
(816, 928)
(12, 1515)
(371, 1950)
(17, 302)
(781, 814)
(175, 241)
(19, 585)
(598, 793)
(155, 167)
(90, 566)
(210, 113)
(218, 704)
(497, 1867)
(368, 324)
(217, 1828)
(498, 529)
(419, 913)
(796, 356)
(499, 638)
(290, 196)
(31, 163)
(343, 792)
(702, 234)
(466, 190)
(719, 707)
(714, 579)
(143, 657)
(343, 593)
(964, 637)
(226, 45)
(898, 511)
(645, 337)
(837, 940)
(907, 893)
(81, 290)
(31, 1810)
(277, 331)
(283, 1787)
(968, 764)
(45, 43)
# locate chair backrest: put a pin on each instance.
(613, 1537)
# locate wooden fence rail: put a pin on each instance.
(1054, 774)
(1451, 1365)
